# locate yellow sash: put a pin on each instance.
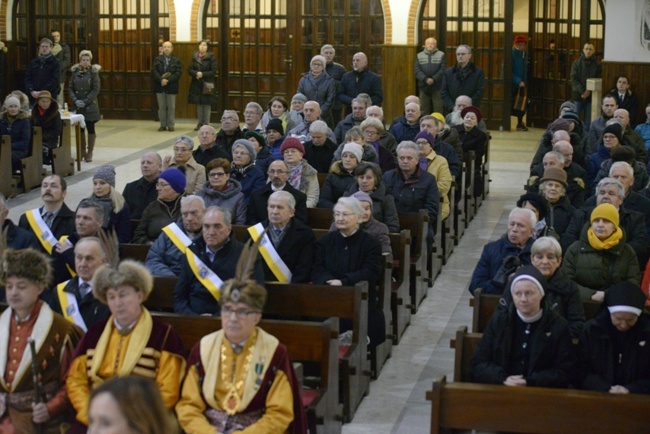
(40, 228)
(270, 255)
(177, 236)
(70, 307)
(204, 274)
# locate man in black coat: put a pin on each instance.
(61, 51)
(43, 72)
(464, 78)
(208, 149)
(257, 206)
(140, 193)
(166, 72)
(229, 132)
(319, 151)
(360, 80)
(336, 71)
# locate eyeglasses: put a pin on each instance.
(239, 314)
(228, 119)
(181, 150)
(370, 133)
(239, 153)
(161, 185)
(217, 174)
(279, 172)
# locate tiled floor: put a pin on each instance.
(396, 403)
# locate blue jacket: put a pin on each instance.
(403, 131)
(250, 178)
(20, 131)
(644, 130)
(491, 261)
(595, 161)
(519, 67)
(164, 259)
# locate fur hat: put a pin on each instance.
(128, 272)
(275, 124)
(353, 148)
(616, 129)
(625, 297)
(247, 145)
(605, 211)
(249, 292)
(555, 174)
(292, 142)
(107, 173)
(26, 263)
(528, 272)
(175, 178)
(472, 109)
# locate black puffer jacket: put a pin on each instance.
(50, 123)
(383, 206)
(336, 184)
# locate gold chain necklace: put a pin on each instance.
(232, 399)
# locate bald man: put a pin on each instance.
(140, 193)
(360, 80)
(429, 69)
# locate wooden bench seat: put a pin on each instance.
(400, 300)
(8, 183)
(417, 223)
(31, 167)
(62, 161)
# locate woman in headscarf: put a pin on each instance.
(117, 215)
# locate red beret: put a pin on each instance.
(520, 39)
(472, 109)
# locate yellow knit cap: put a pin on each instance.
(606, 211)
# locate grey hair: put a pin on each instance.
(99, 211)
(351, 202)
(232, 112)
(556, 154)
(542, 186)
(469, 49)
(227, 214)
(373, 122)
(83, 53)
(260, 111)
(381, 110)
(544, 244)
(288, 198)
(361, 101)
(611, 181)
(186, 140)
(327, 47)
(186, 200)
(407, 144)
(319, 127)
(529, 213)
(95, 240)
(624, 165)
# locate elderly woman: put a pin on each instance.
(165, 210)
(317, 85)
(553, 187)
(563, 295)
(355, 135)
(302, 176)
(14, 122)
(263, 155)
(129, 342)
(222, 191)
(24, 274)
(437, 166)
(243, 168)
(372, 130)
(117, 215)
(614, 353)
(84, 87)
(319, 150)
(341, 175)
(537, 204)
(194, 172)
(45, 114)
(348, 256)
(473, 139)
(525, 343)
(368, 176)
(601, 257)
(278, 108)
(203, 70)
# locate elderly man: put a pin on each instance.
(611, 191)
(229, 132)
(288, 246)
(550, 138)
(412, 187)
(464, 78)
(165, 73)
(451, 154)
(402, 118)
(61, 51)
(262, 394)
(194, 172)
(74, 298)
(279, 175)
(54, 219)
(140, 193)
(407, 129)
(360, 80)
(253, 117)
(386, 139)
(319, 151)
(311, 112)
(208, 262)
(336, 71)
(355, 118)
(430, 65)
(43, 73)
(576, 175)
(17, 237)
(631, 137)
(597, 127)
(502, 257)
(454, 118)
(208, 149)
(166, 255)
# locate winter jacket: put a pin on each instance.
(64, 58)
(290, 119)
(453, 155)
(336, 71)
(419, 191)
(630, 103)
(301, 132)
(429, 64)
(231, 198)
(468, 81)
(383, 206)
(164, 258)
(559, 215)
(439, 168)
(576, 178)
(321, 89)
(377, 229)
(309, 184)
(20, 131)
(644, 130)
(207, 66)
(19, 238)
(546, 145)
(581, 70)
(403, 131)
(194, 173)
(160, 67)
(139, 194)
(43, 73)
(154, 218)
(595, 135)
(50, 123)
(336, 184)
(263, 159)
(204, 156)
(641, 177)
(595, 162)
(250, 178)
(474, 140)
(519, 68)
(320, 157)
(355, 82)
(344, 126)
(258, 200)
(85, 85)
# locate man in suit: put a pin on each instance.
(292, 242)
(279, 175)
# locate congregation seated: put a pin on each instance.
(368, 178)
(253, 117)
(409, 99)
(74, 298)
(614, 355)
(165, 210)
(263, 154)
(194, 172)
(386, 139)
(230, 131)
(526, 343)
(353, 119)
(45, 114)
(501, 258)
(557, 131)
(302, 176)
(209, 261)
(473, 139)
(456, 118)
(311, 113)
(552, 187)
(319, 150)
(116, 212)
(222, 392)
(446, 143)
(608, 106)
(15, 122)
(208, 149)
(576, 175)
(611, 139)
(372, 131)
(368, 222)
(409, 127)
(278, 108)
(562, 295)
(274, 138)
(140, 193)
(355, 135)
(279, 177)
(128, 342)
(341, 175)
(631, 137)
(437, 166)
(625, 154)
(348, 256)
(538, 205)
(288, 247)
(577, 133)
(222, 191)
(601, 257)
(243, 168)
(165, 257)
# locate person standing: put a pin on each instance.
(429, 71)
(203, 70)
(166, 72)
(519, 79)
(360, 80)
(84, 88)
(582, 69)
(464, 78)
(61, 52)
(43, 72)
(336, 71)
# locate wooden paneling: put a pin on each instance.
(637, 73)
(184, 51)
(400, 81)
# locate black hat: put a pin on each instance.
(616, 129)
(536, 200)
(625, 297)
(275, 124)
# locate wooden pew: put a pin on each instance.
(62, 162)
(311, 343)
(321, 179)
(486, 168)
(417, 223)
(485, 305)
(400, 299)
(163, 298)
(481, 407)
(31, 167)
(8, 183)
(468, 193)
(320, 218)
(137, 252)
(460, 213)
(464, 345)
(447, 228)
(434, 256)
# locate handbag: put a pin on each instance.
(520, 102)
(208, 88)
